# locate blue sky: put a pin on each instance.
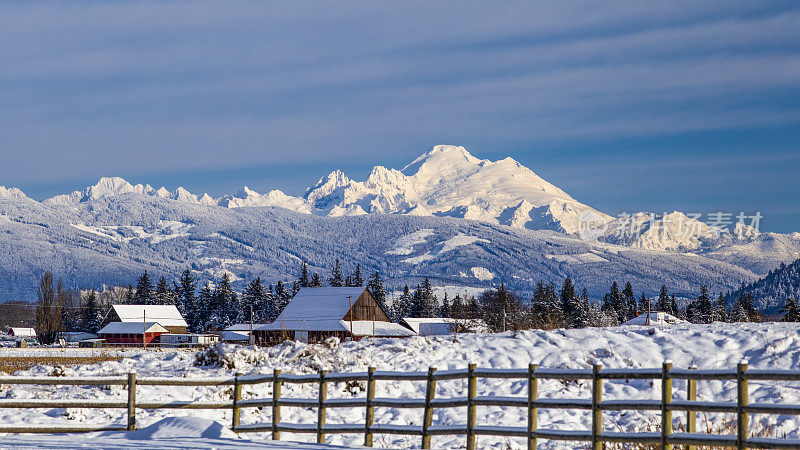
(628, 106)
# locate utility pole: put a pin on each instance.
(648, 312)
(350, 312)
(252, 340)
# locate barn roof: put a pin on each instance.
(317, 309)
(165, 315)
(21, 331)
(377, 328)
(132, 328)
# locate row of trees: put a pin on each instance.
(217, 305)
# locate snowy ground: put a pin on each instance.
(708, 346)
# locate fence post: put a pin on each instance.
(237, 397)
(742, 398)
(370, 417)
(321, 410)
(691, 416)
(472, 389)
(132, 400)
(533, 395)
(597, 413)
(276, 408)
(427, 418)
(666, 398)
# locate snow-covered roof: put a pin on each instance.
(376, 328)
(235, 336)
(316, 309)
(415, 322)
(656, 318)
(166, 315)
(21, 331)
(243, 326)
(132, 328)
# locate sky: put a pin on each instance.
(627, 106)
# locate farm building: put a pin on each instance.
(76, 336)
(315, 314)
(188, 339)
(132, 332)
(654, 318)
(432, 326)
(167, 316)
(239, 333)
(19, 332)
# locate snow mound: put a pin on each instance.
(182, 427)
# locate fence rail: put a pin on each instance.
(596, 435)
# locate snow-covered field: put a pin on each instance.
(713, 346)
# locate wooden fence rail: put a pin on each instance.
(596, 436)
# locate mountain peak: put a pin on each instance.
(440, 156)
(11, 192)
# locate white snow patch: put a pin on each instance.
(482, 273)
(405, 244)
(580, 258)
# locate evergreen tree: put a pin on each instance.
(375, 286)
(202, 312)
(720, 315)
(164, 294)
(356, 279)
(663, 303)
(282, 297)
(336, 279)
(569, 304)
(502, 310)
(304, 279)
(254, 300)
(402, 306)
(644, 304)
(226, 304)
(790, 311)
(546, 310)
(187, 300)
(629, 308)
(316, 280)
(144, 290)
(613, 304)
(92, 313)
(423, 302)
(444, 310)
(702, 310)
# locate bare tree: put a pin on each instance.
(48, 309)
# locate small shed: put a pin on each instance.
(167, 316)
(235, 337)
(20, 332)
(317, 313)
(655, 318)
(132, 332)
(76, 336)
(188, 339)
(435, 326)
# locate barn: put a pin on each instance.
(317, 313)
(132, 332)
(20, 332)
(167, 316)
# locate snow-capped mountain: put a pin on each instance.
(447, 181)
(409, 224)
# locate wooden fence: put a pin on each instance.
(532, 403)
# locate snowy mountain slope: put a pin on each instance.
(408, 223)
(113, 239)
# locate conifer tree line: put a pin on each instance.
(214, 306)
